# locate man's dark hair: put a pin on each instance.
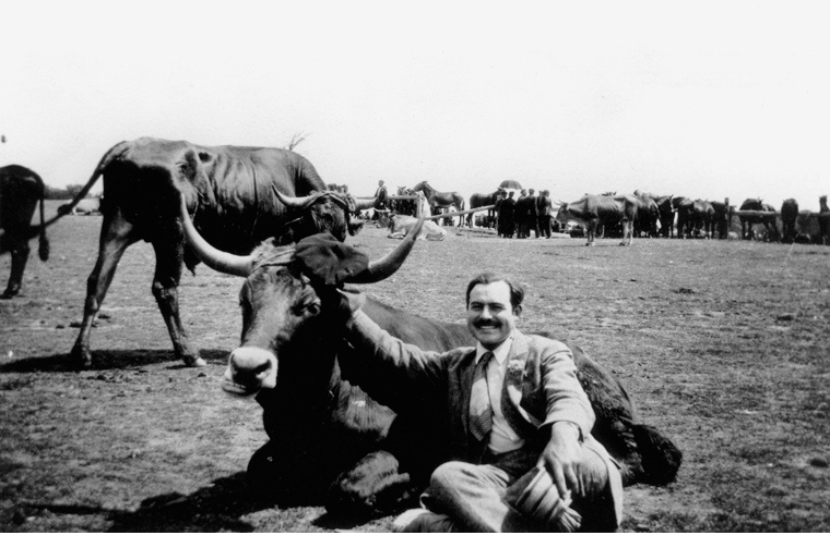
(517, 292)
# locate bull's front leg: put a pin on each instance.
(628, 232)
(590, 232)
(165, 290)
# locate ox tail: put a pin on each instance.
(113, 152)
(660, 457)
(43, 243)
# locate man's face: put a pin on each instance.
(490, 316)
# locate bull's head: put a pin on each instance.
(321, 211)
(285, 317)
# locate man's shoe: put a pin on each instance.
(423, 520)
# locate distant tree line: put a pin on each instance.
(65, 193)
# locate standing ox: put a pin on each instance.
(439, 201)
(755, 204)
(20, 191)
(327, 437)
(234, 192)
(592, 210)
(789, 215)
(482, 200)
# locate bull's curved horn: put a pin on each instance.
(390, 263)
(366, 204)
(298, 201)
(236, 265)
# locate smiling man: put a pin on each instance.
(521, 452)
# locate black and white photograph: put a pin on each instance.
(414, 266)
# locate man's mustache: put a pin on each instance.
(485, 323)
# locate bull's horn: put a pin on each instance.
(389, 264)
(299, 201)
(366, 204)
(236, 265)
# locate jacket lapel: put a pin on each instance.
(511, 397)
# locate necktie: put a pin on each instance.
(481, 413)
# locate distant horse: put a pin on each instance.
(753, 204)
(441, 200)
(482, 200)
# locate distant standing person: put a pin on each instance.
(532, 213)
(382, 196)
(544, 208)
(520, 214)
(507, 216)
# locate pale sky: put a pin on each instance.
(700, 99)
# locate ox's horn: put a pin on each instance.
(237, 265)
(299, 201)
(390, 263)
(366, 204)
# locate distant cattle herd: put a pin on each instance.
(525, 214)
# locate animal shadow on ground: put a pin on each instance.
(107, 360)
(218, 507)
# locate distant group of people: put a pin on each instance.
(517, 217)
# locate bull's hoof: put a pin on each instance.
(589, 244)
(194, 361)
(80, 358)
(10, 292)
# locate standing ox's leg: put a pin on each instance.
(19, 256)
(168, 273)
(628, 231)
(116, 236)
(15, 237)
(590, 231)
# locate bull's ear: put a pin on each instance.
(327, 261)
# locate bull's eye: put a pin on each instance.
(313, 309)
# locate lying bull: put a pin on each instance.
(236, 194)
(20, 191)
(326, 433)
(401, 225)
(86, 207)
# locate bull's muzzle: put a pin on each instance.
(249, 370)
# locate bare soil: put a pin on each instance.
(723, 345)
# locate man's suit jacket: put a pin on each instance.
(544, 206)
(540, 385)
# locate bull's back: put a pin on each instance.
(231, 187)
(423, 332)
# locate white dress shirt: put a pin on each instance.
(502, 437)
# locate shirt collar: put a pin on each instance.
(500, 353)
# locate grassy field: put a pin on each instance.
(723, 345)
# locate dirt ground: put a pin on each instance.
(723, 345)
